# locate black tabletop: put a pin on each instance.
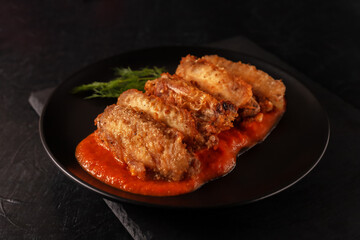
(43, 42)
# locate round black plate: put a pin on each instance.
(292, 149)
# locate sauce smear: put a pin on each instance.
(101, 163)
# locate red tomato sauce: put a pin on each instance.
(101, 163)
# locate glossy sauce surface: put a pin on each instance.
(101, 163)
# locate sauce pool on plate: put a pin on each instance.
(101, 164)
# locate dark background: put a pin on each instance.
(43, 42)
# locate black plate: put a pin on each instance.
(288, 154)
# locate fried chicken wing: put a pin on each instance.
(213, 116)
(263, 85)
(214, 80)
(144, 144)
(169, 114)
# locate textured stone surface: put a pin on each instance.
(43, 42)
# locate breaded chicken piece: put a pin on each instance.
(214, 80)
(213, 116)
(149, 148)
(263, 85)
(171, 115)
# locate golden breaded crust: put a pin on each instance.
(251, 109)
(214, 80)
(263, 84)
(213, 116)
(169, 114)
(145, 145)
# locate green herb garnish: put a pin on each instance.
(125, 79)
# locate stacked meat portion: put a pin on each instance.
(156, 133)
